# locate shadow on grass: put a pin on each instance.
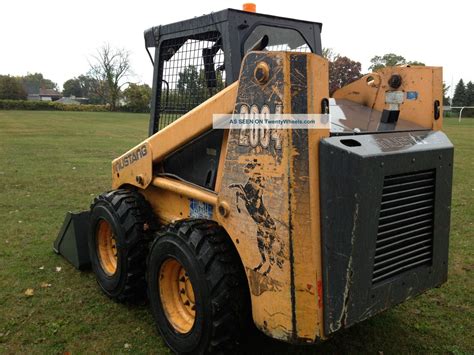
(389, 332)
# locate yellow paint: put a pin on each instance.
(289, 198)
(134, 167)
(270, 295)
(177, 296)
(285, 181)
(220, 168)
(167, 205)
(427, 82)
(187, 127)
(307, 237)
(192, 124)
(186, 189)
(106, 247)
(271, 313)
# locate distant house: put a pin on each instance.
(73, 100)
(49, 95)
(45, 95)
(68, 101)
(33, 97)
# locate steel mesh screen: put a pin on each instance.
(192, 72)
(192, 69)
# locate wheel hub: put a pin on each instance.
(177, 295)
(106, 247)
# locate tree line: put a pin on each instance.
(107, 81)
(343, 70)
(463, 94)
(19, 87)
(136, 96)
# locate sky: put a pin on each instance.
(58, 38)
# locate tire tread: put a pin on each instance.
(132, 212)
(225, 276)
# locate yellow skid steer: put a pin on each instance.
(302, 230)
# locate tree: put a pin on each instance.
(32, 83)
(188, 81)
(91, 89)
(192, 88)
(138, 97)
(469, 94)
(387, 60)
(110, 68)
(84, 86)
(469, 99)
(390, 60)
(72, 87)
(416, 63)
(329, 54)
(459, 97)
(11, 88)
(342, 71)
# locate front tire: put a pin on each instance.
(121, 228)
(197, 288)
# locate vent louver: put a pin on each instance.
(405, 230)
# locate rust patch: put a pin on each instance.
(320, 294)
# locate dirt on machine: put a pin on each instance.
(302, 231)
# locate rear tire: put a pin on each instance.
(197, 259)
(122, 224)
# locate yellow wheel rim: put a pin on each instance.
(106, 247)
(177, 295)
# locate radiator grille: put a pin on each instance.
(405, 231)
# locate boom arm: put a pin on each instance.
(135, 166)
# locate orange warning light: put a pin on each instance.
(249, 7)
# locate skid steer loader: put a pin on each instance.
(303, 231)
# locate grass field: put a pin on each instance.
(52, 162)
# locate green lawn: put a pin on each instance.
(52, 162)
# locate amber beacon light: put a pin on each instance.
(249, 7)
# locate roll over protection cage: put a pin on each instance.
(229, 34)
